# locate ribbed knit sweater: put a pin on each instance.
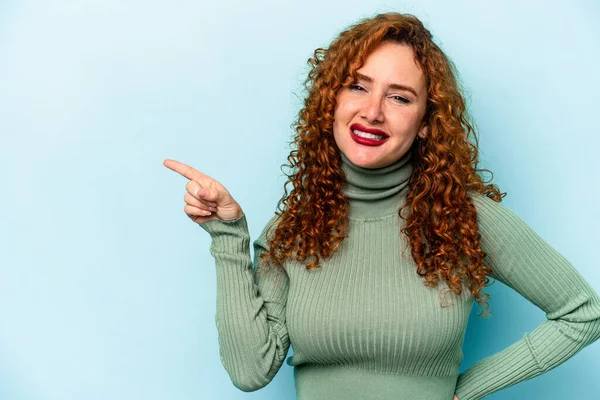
(365, 327)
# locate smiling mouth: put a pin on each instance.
(367, 135)
(367, 139)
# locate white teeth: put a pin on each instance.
(368, 135)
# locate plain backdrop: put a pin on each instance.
(107, 289)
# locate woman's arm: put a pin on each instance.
(250, 317)
(521, 259)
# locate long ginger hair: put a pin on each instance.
(441, 225)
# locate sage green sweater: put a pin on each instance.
(365, 327)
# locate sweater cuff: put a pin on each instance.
(226, 235)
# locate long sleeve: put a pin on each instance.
(521, 259)
(250, 316)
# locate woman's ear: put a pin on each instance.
(423, 132)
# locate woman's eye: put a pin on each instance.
(356, 87)
(397, 98)
(402, 99)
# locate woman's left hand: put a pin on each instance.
(455, 397)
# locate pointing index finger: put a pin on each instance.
(184, 170)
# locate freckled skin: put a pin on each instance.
(376, 105)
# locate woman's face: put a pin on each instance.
(388, 99)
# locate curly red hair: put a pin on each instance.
(441, 224)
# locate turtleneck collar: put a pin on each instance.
(376, 192)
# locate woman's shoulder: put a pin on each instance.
(269, 228)
(500, 224)
(486, 205)
(480, 198)
(495, 218)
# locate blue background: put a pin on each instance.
(107, 289)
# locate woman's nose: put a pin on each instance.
(373, 109)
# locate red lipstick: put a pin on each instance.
(374, 131)
(366, 141)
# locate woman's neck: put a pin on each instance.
(376, 192)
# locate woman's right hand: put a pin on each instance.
(206, 199)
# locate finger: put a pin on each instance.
(192, 211)
(211, 195)
(185, 170)
(191, 200)
(195, 189)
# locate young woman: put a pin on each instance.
(383, 164)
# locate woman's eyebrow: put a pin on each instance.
(393, 85)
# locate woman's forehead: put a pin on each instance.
(393, 64)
